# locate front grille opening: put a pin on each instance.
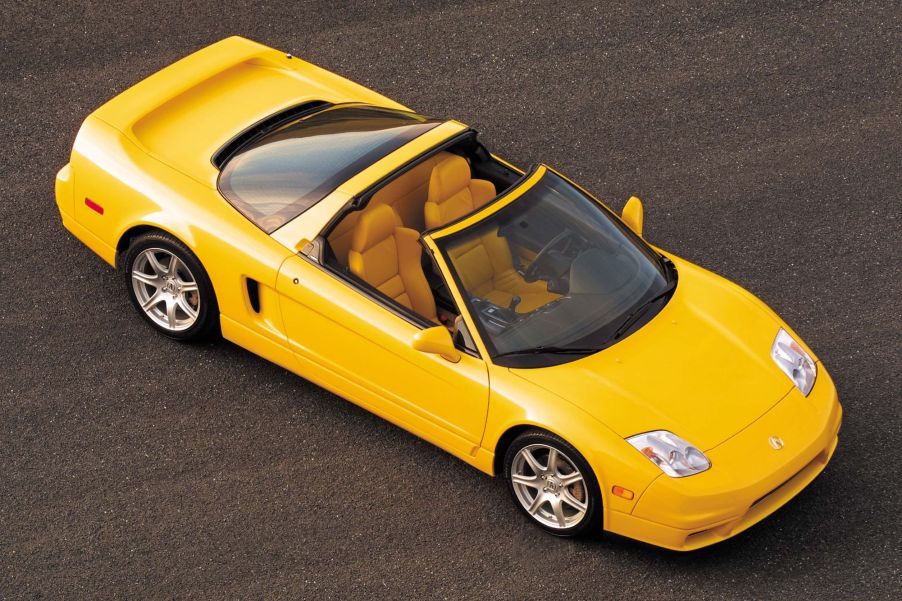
(787, 481)
(699, 532)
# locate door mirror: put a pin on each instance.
(436, 341)
(633, 215)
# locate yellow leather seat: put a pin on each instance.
(484, 264)
(453, 193)
(406, 194)
(386, 256)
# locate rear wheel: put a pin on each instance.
(552, 484)
(170, 288)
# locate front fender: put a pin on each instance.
(515, 402)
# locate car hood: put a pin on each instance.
(700, 368)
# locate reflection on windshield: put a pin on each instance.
(552, 273)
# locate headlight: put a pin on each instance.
(794, 361)
(675, 456)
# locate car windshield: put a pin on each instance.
(554, 276)
(285, 172)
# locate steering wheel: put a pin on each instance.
(530, 274)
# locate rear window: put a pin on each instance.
(285, 172)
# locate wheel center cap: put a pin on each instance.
(171, 287)
(551, 484)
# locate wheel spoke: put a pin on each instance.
(531, 461)
(568, 498)
(531, 481)
(552, 460)
(155, 264)
(188, 286)
(570, 479)
(558, 509)
(170, 312)
(536, 503)
(154, 299)
(173, 268)
(150, 280)
(186, 307)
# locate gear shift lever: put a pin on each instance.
(515, 300)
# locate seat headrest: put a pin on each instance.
(374, 225)
(449, 177)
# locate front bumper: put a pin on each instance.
(748, 480)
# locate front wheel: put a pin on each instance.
(552, 484)
(170, 288)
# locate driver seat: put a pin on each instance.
(453, 192)
(388, 257)
(485, 264)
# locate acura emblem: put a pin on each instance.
(776, 442)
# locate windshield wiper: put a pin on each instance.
(634, 316)
(551, 350)
(669, 268)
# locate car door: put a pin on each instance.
(360, 348)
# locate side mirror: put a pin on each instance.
(436, 341)
(633, 215)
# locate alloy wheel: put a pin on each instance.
(165, 289)
(549, 486)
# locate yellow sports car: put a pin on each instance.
(508, 317)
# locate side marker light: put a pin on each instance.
(623, 492)
(93, 206)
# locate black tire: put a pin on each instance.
(206, 322)
(592, 521)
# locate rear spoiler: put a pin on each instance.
(186, 112)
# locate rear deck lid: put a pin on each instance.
(186, 112)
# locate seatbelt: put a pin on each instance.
(515, 258)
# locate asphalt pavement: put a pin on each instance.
(764, 138)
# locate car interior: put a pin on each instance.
(375, 242)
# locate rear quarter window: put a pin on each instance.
(285, 172)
